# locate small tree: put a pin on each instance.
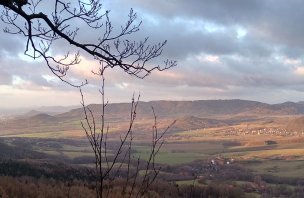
(45, 24)
(135, 185)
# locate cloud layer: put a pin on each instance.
(225, 49)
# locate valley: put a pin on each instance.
(231, 142)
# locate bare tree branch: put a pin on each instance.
(44, 29)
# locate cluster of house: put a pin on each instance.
(262, 131)
(208, 167)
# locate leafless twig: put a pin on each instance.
(43, 29)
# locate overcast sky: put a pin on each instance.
(232, 49)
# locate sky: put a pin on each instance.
(232, 49)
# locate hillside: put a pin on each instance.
(296, 124)
(189, 115)
(191, 123)
(200, 108)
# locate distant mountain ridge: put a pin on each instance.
(28, 111)
(189, 115)
(201, 108)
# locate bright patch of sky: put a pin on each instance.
(212, 27)
(150, 19)
(17, 80)
(198, 25)
(241, 32)
(123, 85)
(300, 70)
(50, 79)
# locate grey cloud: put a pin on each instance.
(182, 43)
(31, 72)
(5, 78)
(274, 22)
(10, 45)
(231, 72)
(214, 10)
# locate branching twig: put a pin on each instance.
(122, 153)
(43, 30)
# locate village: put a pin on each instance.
(262, 131)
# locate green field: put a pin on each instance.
(284, 159)
(281, 168)
(280, 160)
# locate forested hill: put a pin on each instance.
(201, 108)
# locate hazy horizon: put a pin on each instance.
(49, 106)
